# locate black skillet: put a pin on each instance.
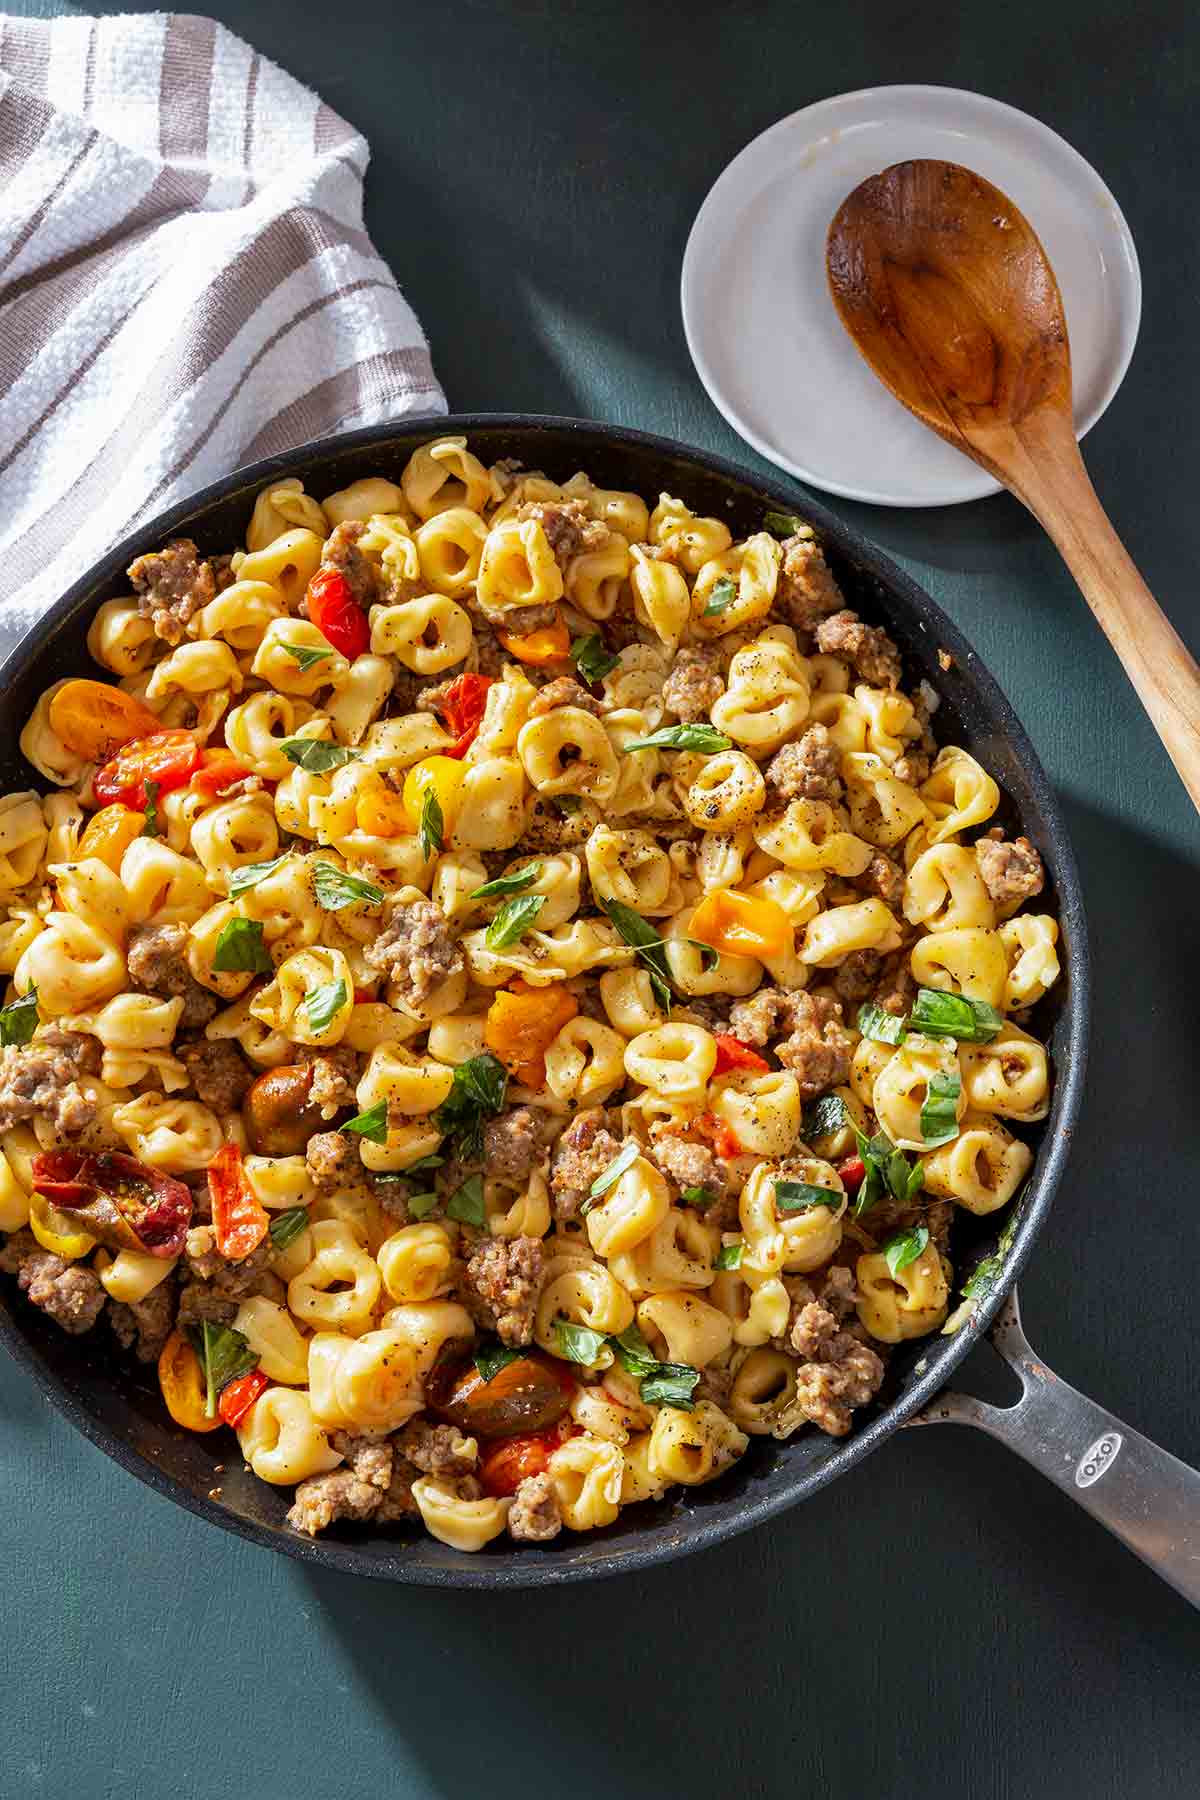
(1136, 1489)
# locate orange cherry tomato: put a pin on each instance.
(168, 758)
(109, 833)
(218, 769)
(510, 1460)
(380, 812)
(240, 1220)
(741, 924)
(733, 1054)
(336, 613)
(238, 1396)
(94, 718)
(181, 1380)
(521, 1024)
(548, 645)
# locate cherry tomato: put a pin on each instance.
(239, 1219)
(853, 1173)
(237, 1397)
(549, 644)
(525, 1395)
(462, 707)
(733, 1054)
(169, 758)
(720, 1135)
(336, 614)
(509, 1461)
(120, 1201)
(94, 718)
(109, 833)
(219, 769)
(182, 1382)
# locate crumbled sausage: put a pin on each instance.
(144, 1326)
(816, 1317)
(534, 1516)
(333, 1161)
(869, 648)
(816, 1047)
(1011, 872)
(856, 975)
(204, 1262)
(913, 767)
(547, 828)
(806, 592)
(323, 1499)
(334, 1077)
(198, 1301)
(370, 1458)
(416, 950)
(694, 685)
(845, 1373)
(809, 769)
(581, 1155)
(563, 691)
(220, 1074)
(157, 963)
(342, 553)
(568, 529)
(691, 1165)
(896, 989)
(41, 1080)
(67, 1292)
(437, 1449)
(503, 1280)
(885, 878)
(16, 1248)
(171, 585)
(512, 1143)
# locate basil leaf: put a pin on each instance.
(250, 874)
(905, 1248)
(150, 828)
(478, 1092)
(649, 946)
(916, 1181)
(371, 1124)
(938, 1014)
(569, 804)
(705, 738)
(420, 1205)
(19, 1019)
(698, 1196)
(335, 888)
(511, 883)
(224, 1355)
(709, 958)
(670, 1384)
(896, 1172)
(306, 655)
(939, 1115)
(629, 1155)
(823, 1117)
(871, 1189)
(466, 1203)
(576, 1342)
(317, 755)
(783, 525)
(513, 920)
(324, 1003)
(592, 658)
(432, 827)
(633, 1352)
(729, 1256)
(724, 593)
(287, 1226)
(240, 949)
(882, 1027)
(490, 1358)
(419, 1167)
(803, 1196)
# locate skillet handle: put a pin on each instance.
(1145, 1496)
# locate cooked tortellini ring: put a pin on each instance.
(23, 837)
(364, 1383)
(1030, 948)
(661, 597)
(787, 1231)
(727, 792)
(673, 1060)
(944, 891)
(449, 547)
(836, 933)
(282, 506)
(1009, 1076)
(958, 793)
(415, 1262)
(427, 635)
(567, 751)
(969, 961)
(910, 1303)
(808, 834)
(762, 1110)
(689, 541)
(982, 1168)
(282, 1441)
(903, 1087)
(340, 1287)
(310, 999)
(445, 474)
(694, 1447)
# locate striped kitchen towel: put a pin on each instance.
(185, 283)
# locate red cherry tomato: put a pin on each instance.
(218, 770)
(239, 1220)
(169, 758)
(733, 1054)
(237, 1397)
(120, 1201)
(462, 707)
(720, 1135)
(336, 613)
(853, 1172)
(509, 1461)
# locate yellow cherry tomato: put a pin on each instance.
(109, 833)
(741, 924)
(94, 718)
(182, 1382)
(380, 812)
(52, 1229)
(444, 775)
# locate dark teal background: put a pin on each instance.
(941, 1622)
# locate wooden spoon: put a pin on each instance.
(950, 297)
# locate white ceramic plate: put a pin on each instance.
(760, 324)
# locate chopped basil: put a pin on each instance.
(664, 1384)
(698, 1196)
(317, 755)
(250, 874)
(649, 946)
(803, 1196)
(335, 888)
(19, 1019)
(724, 593)
(287, 1226)
(593, 660)
(324, 1003)
(569, 804)
(371, 1124)
(224, 1355)
(705, 738)
(939, 1115)
(709, 958)
(466, 1203)
(432, 827)
(729, 1256)
(905, 1248)
(577, 1343)
(306, 655)
(419, 1205)
(240, 949)
(882, 1027)
(903, 1182)
(823, 1117)
(422, 1164)
(938, 1014)
(513, 920)
(150, 828)
(512, 883)
(480, 1085)
(490, 1358)
(781, 524)
(628, 1156)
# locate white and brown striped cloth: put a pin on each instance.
(185, 283)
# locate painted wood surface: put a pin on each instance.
(943, 1622)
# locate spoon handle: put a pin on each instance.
(1047, 475)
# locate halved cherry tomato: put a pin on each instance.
(509, 1461)
(721, 1136)
(219, 769)
(527, 1395)
(521, 1024)
(169, 758)
(119, 1200)
(336, 613)
(741, 924)
(445, 777)
(733, 1054)
(94, 719)
(548, 645)
(109, 833)
(380, 812)
(462, 707)
(237, 1397)
(240, 1220)
(853, 1172)
(182, 1382)
(52, 1230)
